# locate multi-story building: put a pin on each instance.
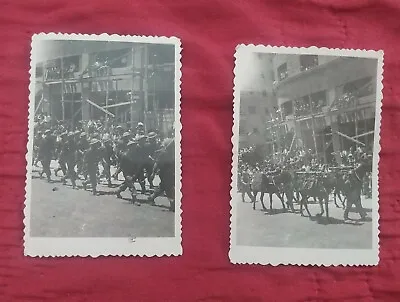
(257, 101)
(129, 82)
(327, 101)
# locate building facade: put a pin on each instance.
(129, 82)
(327, 101)
(257, 102)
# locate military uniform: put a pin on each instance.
(120, 149)
(61, 154)
(70, 149)
(91, 159)
(129, 170)
(151, 147)
(108, 157)
(165, 164)
(46, 150)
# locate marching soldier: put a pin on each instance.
(46, 150)
(151, 147)
(353, 191)
(70, 158)
(129, 170)
(61, 152)
(166, 170)
(83, 145)
(140, 161)
(108, 157)
(91, 159)
(120, 149)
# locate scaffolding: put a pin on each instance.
(277, 127)
(88, 78)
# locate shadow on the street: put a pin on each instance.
(274, 211)
(323, 220)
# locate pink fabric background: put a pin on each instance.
(209, 30)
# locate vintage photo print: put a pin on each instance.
(103, 161)
(305, 156)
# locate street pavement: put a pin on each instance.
(286, 229)
(58, 210)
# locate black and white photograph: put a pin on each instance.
(103, 161)
(305, 156)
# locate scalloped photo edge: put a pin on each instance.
(105, 246)
(265, 255)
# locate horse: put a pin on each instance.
(315, 187)
(265, 184)
(334, 184)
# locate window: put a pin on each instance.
(308, 62)
(287, 108)
(252, 109)
(282, 72)
(318, 100)
(361, 87)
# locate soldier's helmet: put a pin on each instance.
(131, 143)
(83, 134)
(364, 157)
(70, 134)
(94, 142)
(140, 125)
(47, 132)
(141, 138)
(126, 134)
(152, 135)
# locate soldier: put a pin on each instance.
(120, 149)
(245, 185)
(70, 158)
(353, 190)
(140, 161)
(129, 170)
(46, 150)
(140, 129)
(108, 157)
(165, 165)
(91, 159)
(61, 145)
(82, 146)
(152, 146)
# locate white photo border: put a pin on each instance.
(107, 246)
(305, 256)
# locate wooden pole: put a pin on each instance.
(313, 126)
(132, 87)
(145, 85)
(107, 88)
(62, 89)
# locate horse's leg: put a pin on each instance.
(289, 195)
(320, 199)
(243, 195)
(253, 200)
(304, 201)
(335, 195)
(270, 201)
(262, 201)
(326, 201)
(342, 200)
(280, 196)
